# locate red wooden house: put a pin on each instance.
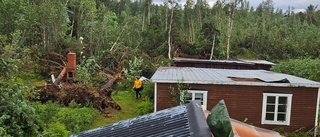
(266, 99)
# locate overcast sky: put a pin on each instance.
(299, 5)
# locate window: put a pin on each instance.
(276, 108)
(196, 95)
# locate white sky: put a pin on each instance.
(299, 5)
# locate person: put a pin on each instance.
(137, 87)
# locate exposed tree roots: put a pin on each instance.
(79, 94)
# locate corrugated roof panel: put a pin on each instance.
(222, 76)
(175, 122)
(179, 59)
(257, 61)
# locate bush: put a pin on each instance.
(57, 130)
(144, 107)
(305, 68)
(17, 117)
(296, 133)
(58, 120)
(148, 90)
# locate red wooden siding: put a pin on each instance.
(246, 102)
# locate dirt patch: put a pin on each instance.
(80, 94)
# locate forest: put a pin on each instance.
(134, 38)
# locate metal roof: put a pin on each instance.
(182, 121)
(193, 75)
(265, 62)
(180, 59)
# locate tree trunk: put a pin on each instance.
(167, 7)
(149, 10)
(230, 25)
(107, 88)
(143, 20)
(60, 77)
(120, 34)
(169, 32)
(213, 42)
(200, 18)
(189, 30)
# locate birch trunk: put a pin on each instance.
(213, 42)
(230, 25)
(169, 32)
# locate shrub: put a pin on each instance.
(57, 130)
(297, 133)
(148, 90)
(76, 119)
(17, 117)
(305, 68)
(144, 107)
(63, 120)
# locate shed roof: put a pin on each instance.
(186, 120)
(193, 75)
(180, 59)
(265, 62)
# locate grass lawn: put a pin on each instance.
(128, 103)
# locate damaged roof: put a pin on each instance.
(180, 59)
(186, 120)
(194, 75)
(234, 61)
(265, 62)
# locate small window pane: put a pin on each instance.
(188, 97)
(282, 108)
(281, 117)
(270, 108)
(270, 116)
(199, 96)
(271, 99)
(282, 100)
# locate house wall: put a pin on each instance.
(245, 102)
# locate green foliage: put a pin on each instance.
(297, 133)
(144, 107)
(8, 67)
(148, 89)
(56, 130)
(98, 80)
(178, 95)
(86, 71)
(125, 85)
(76, 119)
(17, 117)
(305, 68)
(62, 121)
(134, 68)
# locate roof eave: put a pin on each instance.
(243, 83)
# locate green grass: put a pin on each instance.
(32, 79)
(128, 103)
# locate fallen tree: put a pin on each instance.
(77, 93)
(81, 94)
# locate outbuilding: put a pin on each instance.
(222, 64)
(263, 98)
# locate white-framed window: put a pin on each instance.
(276, 108)
(196, 95)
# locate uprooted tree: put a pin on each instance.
(66, 92)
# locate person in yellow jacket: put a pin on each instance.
(137, 86)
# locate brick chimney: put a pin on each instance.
(71, 67)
